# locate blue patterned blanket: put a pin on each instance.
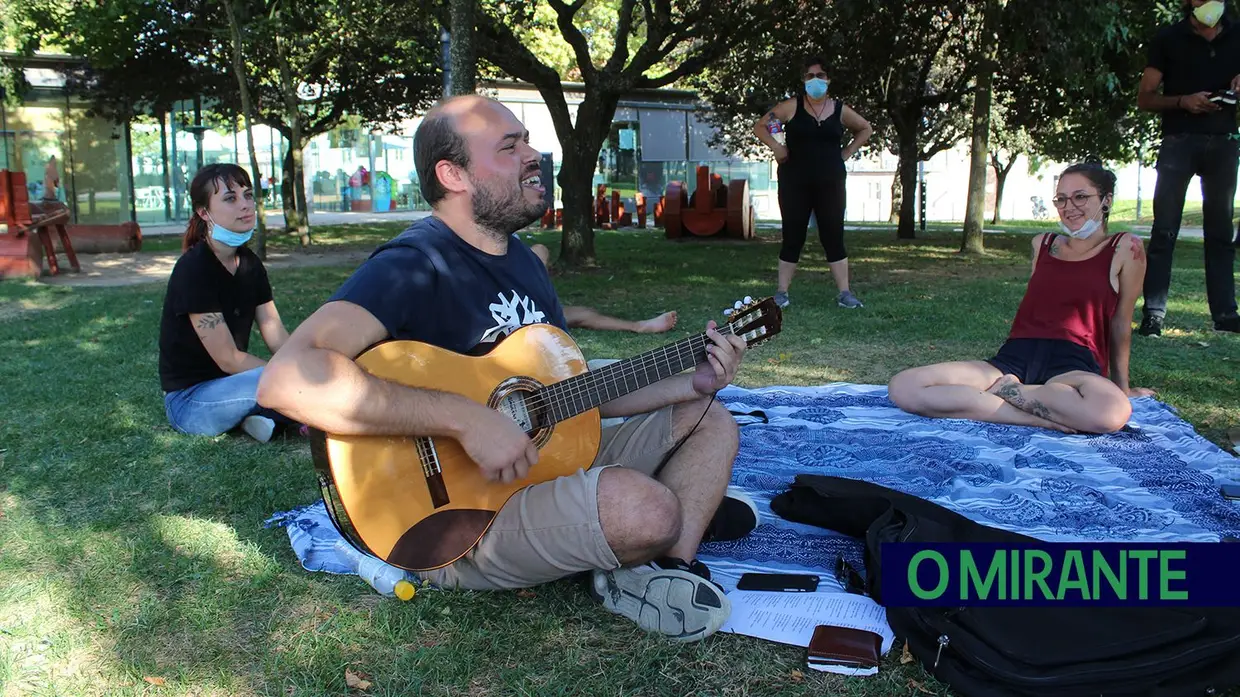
(1156, 480)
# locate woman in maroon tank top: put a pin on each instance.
(1065, 363)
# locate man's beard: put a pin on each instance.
(505, 213)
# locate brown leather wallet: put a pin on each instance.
(843, 646)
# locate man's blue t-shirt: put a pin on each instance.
(429, 285)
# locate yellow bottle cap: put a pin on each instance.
(404, 590)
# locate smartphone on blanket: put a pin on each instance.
(803, 583)
(1231, 492)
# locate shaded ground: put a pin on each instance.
(110, 270)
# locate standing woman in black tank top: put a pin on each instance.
(812, 175)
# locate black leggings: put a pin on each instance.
(802, 194)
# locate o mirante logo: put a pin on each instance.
(1186, 574)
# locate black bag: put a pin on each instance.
(1022, 651)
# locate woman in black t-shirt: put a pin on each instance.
(812, 174)
(218, 290)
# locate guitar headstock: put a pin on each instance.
(755, 321)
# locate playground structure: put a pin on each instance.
(28, 230)
(714, 209)
(28, 239)
(723, 211)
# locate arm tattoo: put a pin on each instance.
(211, 321)
(1138, 249)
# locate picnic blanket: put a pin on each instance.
(1155, 481)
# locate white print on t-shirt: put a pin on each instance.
(509, 316)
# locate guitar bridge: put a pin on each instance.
(432, 471)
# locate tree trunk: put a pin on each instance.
(300, 222)
(576, 188)
(1001, 174)
(907, 175)
(247, 109)
(288, 184)
(464, 64)
(896, 198)
(299, 187)
(975, 209)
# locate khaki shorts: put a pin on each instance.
(551, 530)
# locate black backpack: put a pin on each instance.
(1022, 651)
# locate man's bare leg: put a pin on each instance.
(958, 390)
(699, 472)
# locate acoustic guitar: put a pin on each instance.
(421, 503)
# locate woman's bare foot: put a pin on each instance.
(657, 325)
(1007, 388)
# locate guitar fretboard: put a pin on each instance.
(568, 398)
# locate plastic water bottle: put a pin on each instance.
(776, 128)
(384, 578)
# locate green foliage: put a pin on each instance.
(145, 54)
(1069, 75)
(128, 550)
(632, 45)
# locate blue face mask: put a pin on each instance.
(227, 237)
(816, 88)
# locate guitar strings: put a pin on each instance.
(442, 461)
(612, 375)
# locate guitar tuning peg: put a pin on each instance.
(738, 305)
(748, 299)
(727, 312)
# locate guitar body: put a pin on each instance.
(421, 503)
(382, 491)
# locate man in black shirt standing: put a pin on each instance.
(1194, 60)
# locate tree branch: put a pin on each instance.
(497, 42)
(620, 55)
(577, 40)
(690, 66)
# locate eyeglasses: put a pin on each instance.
(1078, 200)
(811, 76)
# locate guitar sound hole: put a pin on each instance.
(526, 412)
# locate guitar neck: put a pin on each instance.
(581, 393)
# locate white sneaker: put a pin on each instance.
(678, 604)
(260, 428)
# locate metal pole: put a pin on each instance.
(71, 166)
(921, 192)
(176, 171)
(133, 203)
(198, 128)
(163, 165)
(4, 125)
(1140, 164)
(445, 41)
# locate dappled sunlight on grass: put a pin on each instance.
(139, 552)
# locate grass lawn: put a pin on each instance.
(131, 555)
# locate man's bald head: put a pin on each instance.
(444, 135)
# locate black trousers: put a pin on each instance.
(822, 194)
(1214, 159)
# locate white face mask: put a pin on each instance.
(1087, 230)
(1210, 13)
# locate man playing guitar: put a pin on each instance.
(461, 281)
